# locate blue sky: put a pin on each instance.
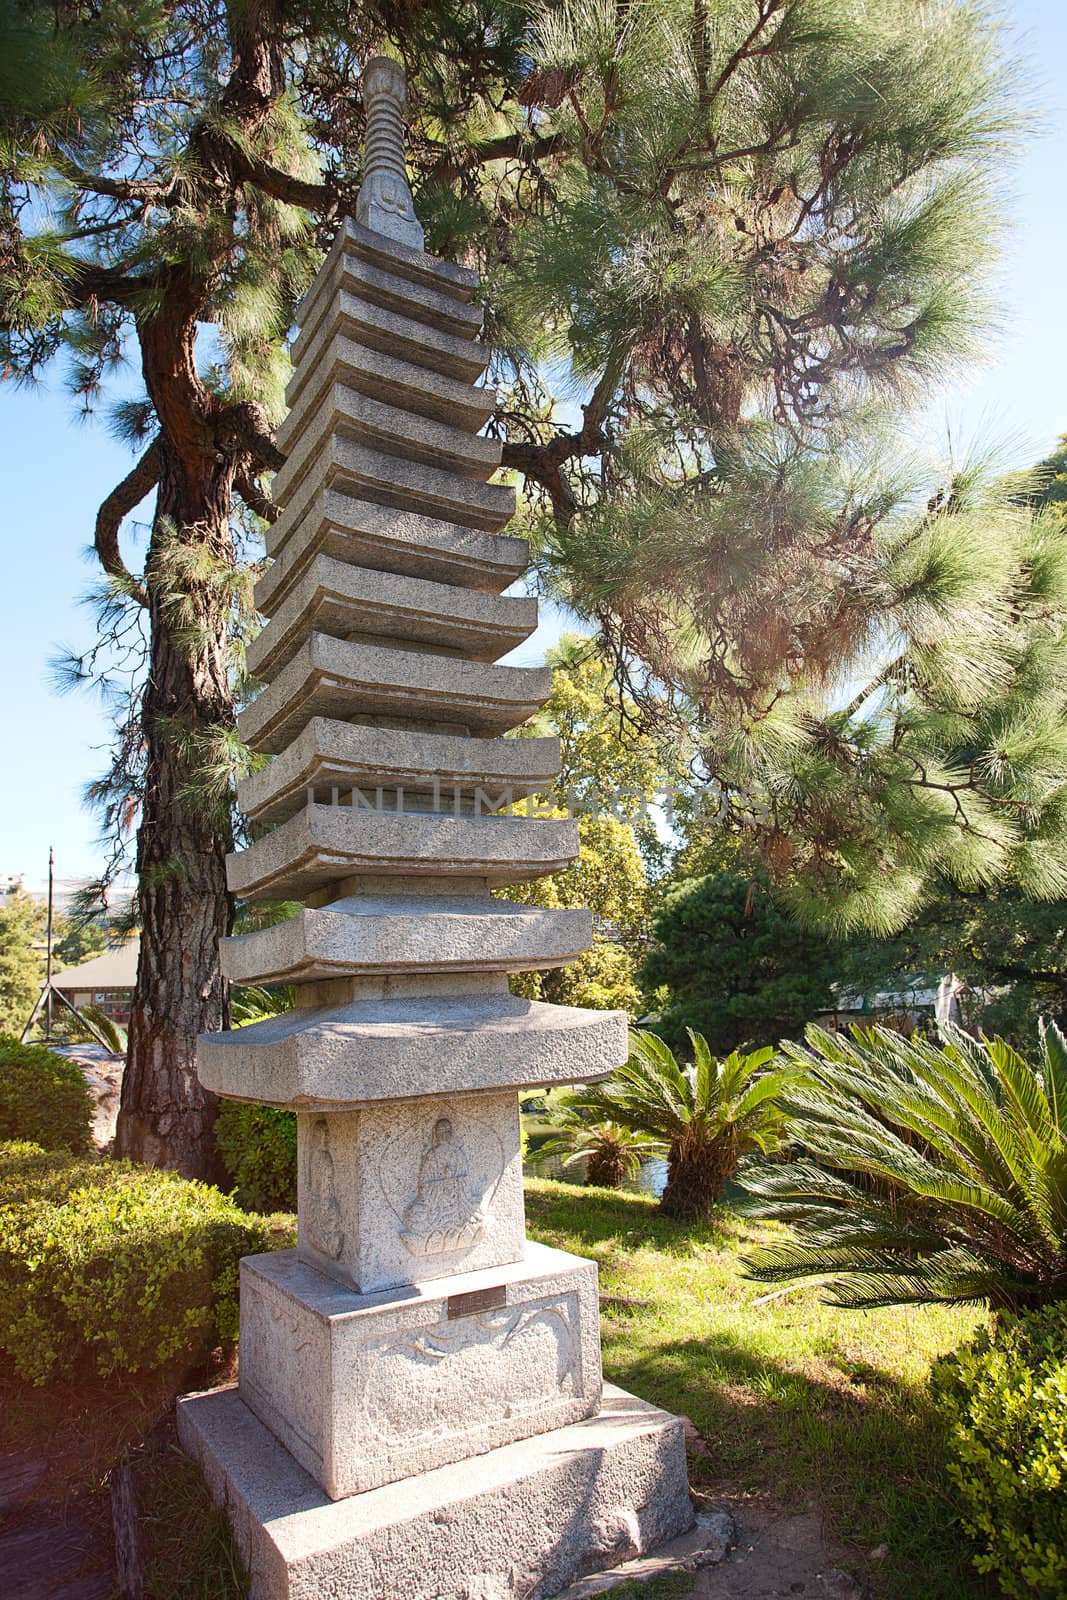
(56, 471)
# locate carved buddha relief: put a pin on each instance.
(448, 1212)
(322, 1211)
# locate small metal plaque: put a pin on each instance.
(470, 1305)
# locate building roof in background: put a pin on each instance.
(112, 969)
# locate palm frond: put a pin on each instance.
(926, 1173)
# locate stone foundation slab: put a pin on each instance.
(524, 1520)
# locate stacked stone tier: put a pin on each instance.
(338, 678)
(383, 1046)
(331, 758)
(348, 602)
(383, 706)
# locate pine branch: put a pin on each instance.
(895, 666)
(145, 190)
(525, 144)
(246, 430)
(544, 462)
(91, 283)
(767, 10)
(256, 498)
(122, 499)
(283, 186)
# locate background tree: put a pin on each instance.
(77, 941)
(723, 226)
(22, 958)
(610, 762)
(1048, 489)
(610, 770)
(1010, 951)
(735, 965)
(610, 878)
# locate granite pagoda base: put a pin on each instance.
(520, 1522)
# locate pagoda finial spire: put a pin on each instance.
(384, 202)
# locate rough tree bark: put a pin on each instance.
(166, 1117)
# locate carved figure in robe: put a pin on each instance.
(447, 1213)
(323, 1210)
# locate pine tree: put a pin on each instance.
(726, 226)
(737, 968)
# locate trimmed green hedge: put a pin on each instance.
(43, 1098)
(1005, 1398)
(258, 1145)
(113, 1265)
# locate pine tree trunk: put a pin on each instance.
(166, 1118)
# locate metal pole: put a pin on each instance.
(48, 969)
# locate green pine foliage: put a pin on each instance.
(258, 1147)
(703, 1117)
(44, 1098)
(114, 1266)
(776, 232)
(1004, 1398)
(737, 967)
(925, 1173)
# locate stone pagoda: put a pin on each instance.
(420, 1414)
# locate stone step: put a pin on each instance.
(381, 933)
(377, 283)
(522, 1520)
(335, 358)
(345, 602)
(334, 678)
(323, 844)
(355, 468)
(377, 1049)
(351, 415)
(385, 539)
(358, 318)
(331, 755)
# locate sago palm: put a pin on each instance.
(704, 1117)
(610, 1152)
(929, 1174)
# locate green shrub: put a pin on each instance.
(1005, 1397)
(43, 1098)
(115, 1265)
(258, 1145)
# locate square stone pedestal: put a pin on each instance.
(411, 1189)
(517, 1523)
(366, 1388)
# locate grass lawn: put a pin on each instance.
(808, 1405)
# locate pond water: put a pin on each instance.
(652, 1179)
